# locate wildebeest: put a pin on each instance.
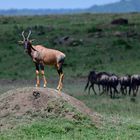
(135, 83)
(125, 82)
(113, 82)
(102, 80)
(98, 78)
(92, 80)
(107, 81)
(44, 56)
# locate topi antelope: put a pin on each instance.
(44, 56)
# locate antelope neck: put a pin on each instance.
(30, 50)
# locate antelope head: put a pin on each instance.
(26, 42)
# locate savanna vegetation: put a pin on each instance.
(90, 42)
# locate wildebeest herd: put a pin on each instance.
(113, 84)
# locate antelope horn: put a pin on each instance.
(23, 35)
(29, 34)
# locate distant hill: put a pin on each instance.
(123, 6)
(11, 12)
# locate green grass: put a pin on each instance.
(103, 53)
(52, 129)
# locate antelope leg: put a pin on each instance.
(44, 79)
(37, 79)
(60, 83)
(43, 74)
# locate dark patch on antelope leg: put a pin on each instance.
(41, 66)
(37, 66)
(61, 60)
(59, 65)
(60, 70)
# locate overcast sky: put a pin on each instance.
(52, 4)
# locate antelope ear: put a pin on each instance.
(32, 40)
(20, 42)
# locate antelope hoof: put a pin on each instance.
(44, 85)
(59, 88)
(37, 85)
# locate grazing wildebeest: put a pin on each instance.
(92, 80)
(44, 56)
(135, 83)
(98, 78)
(113, 82)
(102, 80)
(125, 82)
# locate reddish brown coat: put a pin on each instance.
(46, 55)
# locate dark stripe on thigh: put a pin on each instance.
(37, 66)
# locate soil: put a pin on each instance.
(23, 105)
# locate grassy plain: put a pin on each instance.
(103, 50)
(100, 50)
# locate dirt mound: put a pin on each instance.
(27, 104)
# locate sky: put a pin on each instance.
(51, 4)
